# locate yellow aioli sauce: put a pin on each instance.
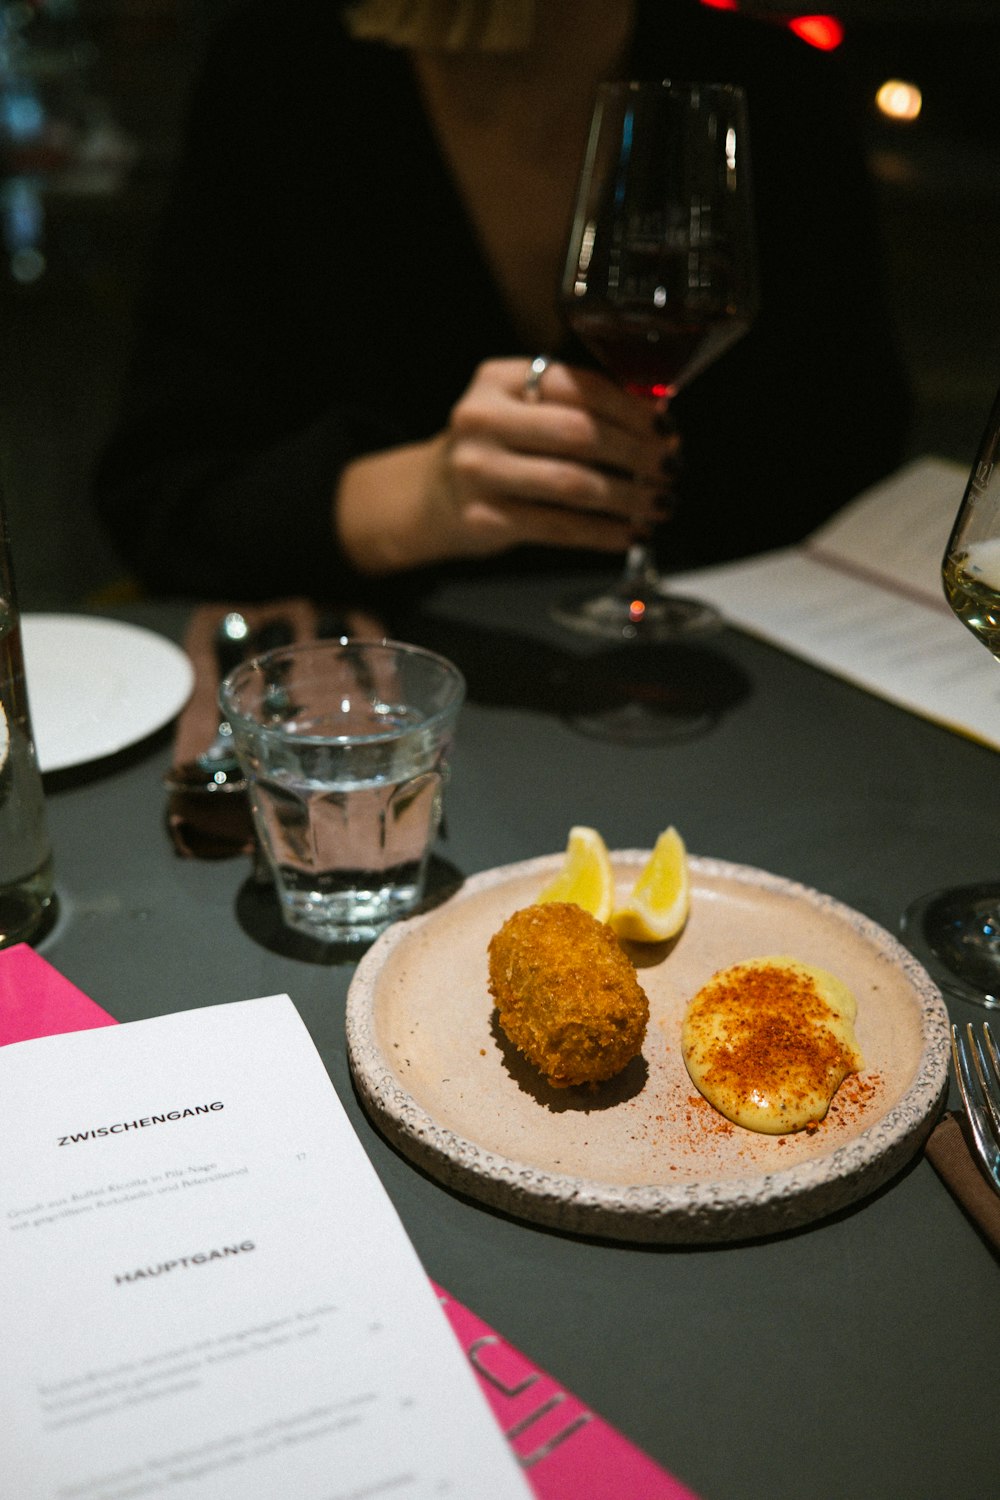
(768, 1042)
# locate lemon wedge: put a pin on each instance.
(661, 898)
(584, 877)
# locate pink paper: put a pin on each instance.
(35, 999)
(567, 1452)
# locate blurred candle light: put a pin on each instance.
(899, 100)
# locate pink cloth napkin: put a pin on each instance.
(566, 1450)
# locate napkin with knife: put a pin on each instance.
(217, 825)
(951, 1157)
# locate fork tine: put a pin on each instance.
(987, 1066)
(963, 1078)
(985, 1126)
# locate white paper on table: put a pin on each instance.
(862, 598)
(218, 1301)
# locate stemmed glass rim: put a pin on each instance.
(668, 85)
(685, 203)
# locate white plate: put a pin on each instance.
(645, 1158)
(96, 686)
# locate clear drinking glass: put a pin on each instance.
(961, 927)
(27, 902)
(345, 747)
(660, 280)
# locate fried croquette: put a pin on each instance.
(567, 995)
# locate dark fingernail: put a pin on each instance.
(664, 423)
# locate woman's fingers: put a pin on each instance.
(494, 525)
(576, 414)
(500, 473)
(574, 463)
(571, 385)
(569, 460)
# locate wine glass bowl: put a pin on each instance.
(660, 280)
(960, 928)
(970, 571)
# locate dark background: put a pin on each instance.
(107, 81)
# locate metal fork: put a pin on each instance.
(977, 1069)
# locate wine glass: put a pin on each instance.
(660, 280)
(961, 927)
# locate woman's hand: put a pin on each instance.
(581, 465)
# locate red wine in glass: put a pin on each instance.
(660, 280)
(651, 355)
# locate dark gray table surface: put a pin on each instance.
(855, 1357)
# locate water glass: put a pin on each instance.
(27, 902)
(345, 745)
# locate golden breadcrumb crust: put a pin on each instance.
(568, 996)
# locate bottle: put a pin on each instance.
(27, 897)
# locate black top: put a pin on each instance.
(319, 293)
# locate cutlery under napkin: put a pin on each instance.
(950, 1156)
(206, 826)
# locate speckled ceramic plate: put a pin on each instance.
(645, 1158)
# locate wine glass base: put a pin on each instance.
(639, 616)
(634, 723)
(957, 934)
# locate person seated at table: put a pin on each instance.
(361, 255)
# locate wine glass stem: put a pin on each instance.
(640, 575)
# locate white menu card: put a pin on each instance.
(863, 598)
(207, 1293)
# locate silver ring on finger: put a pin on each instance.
(532, 388)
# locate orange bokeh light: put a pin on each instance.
(899, 100)
(824, 32)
